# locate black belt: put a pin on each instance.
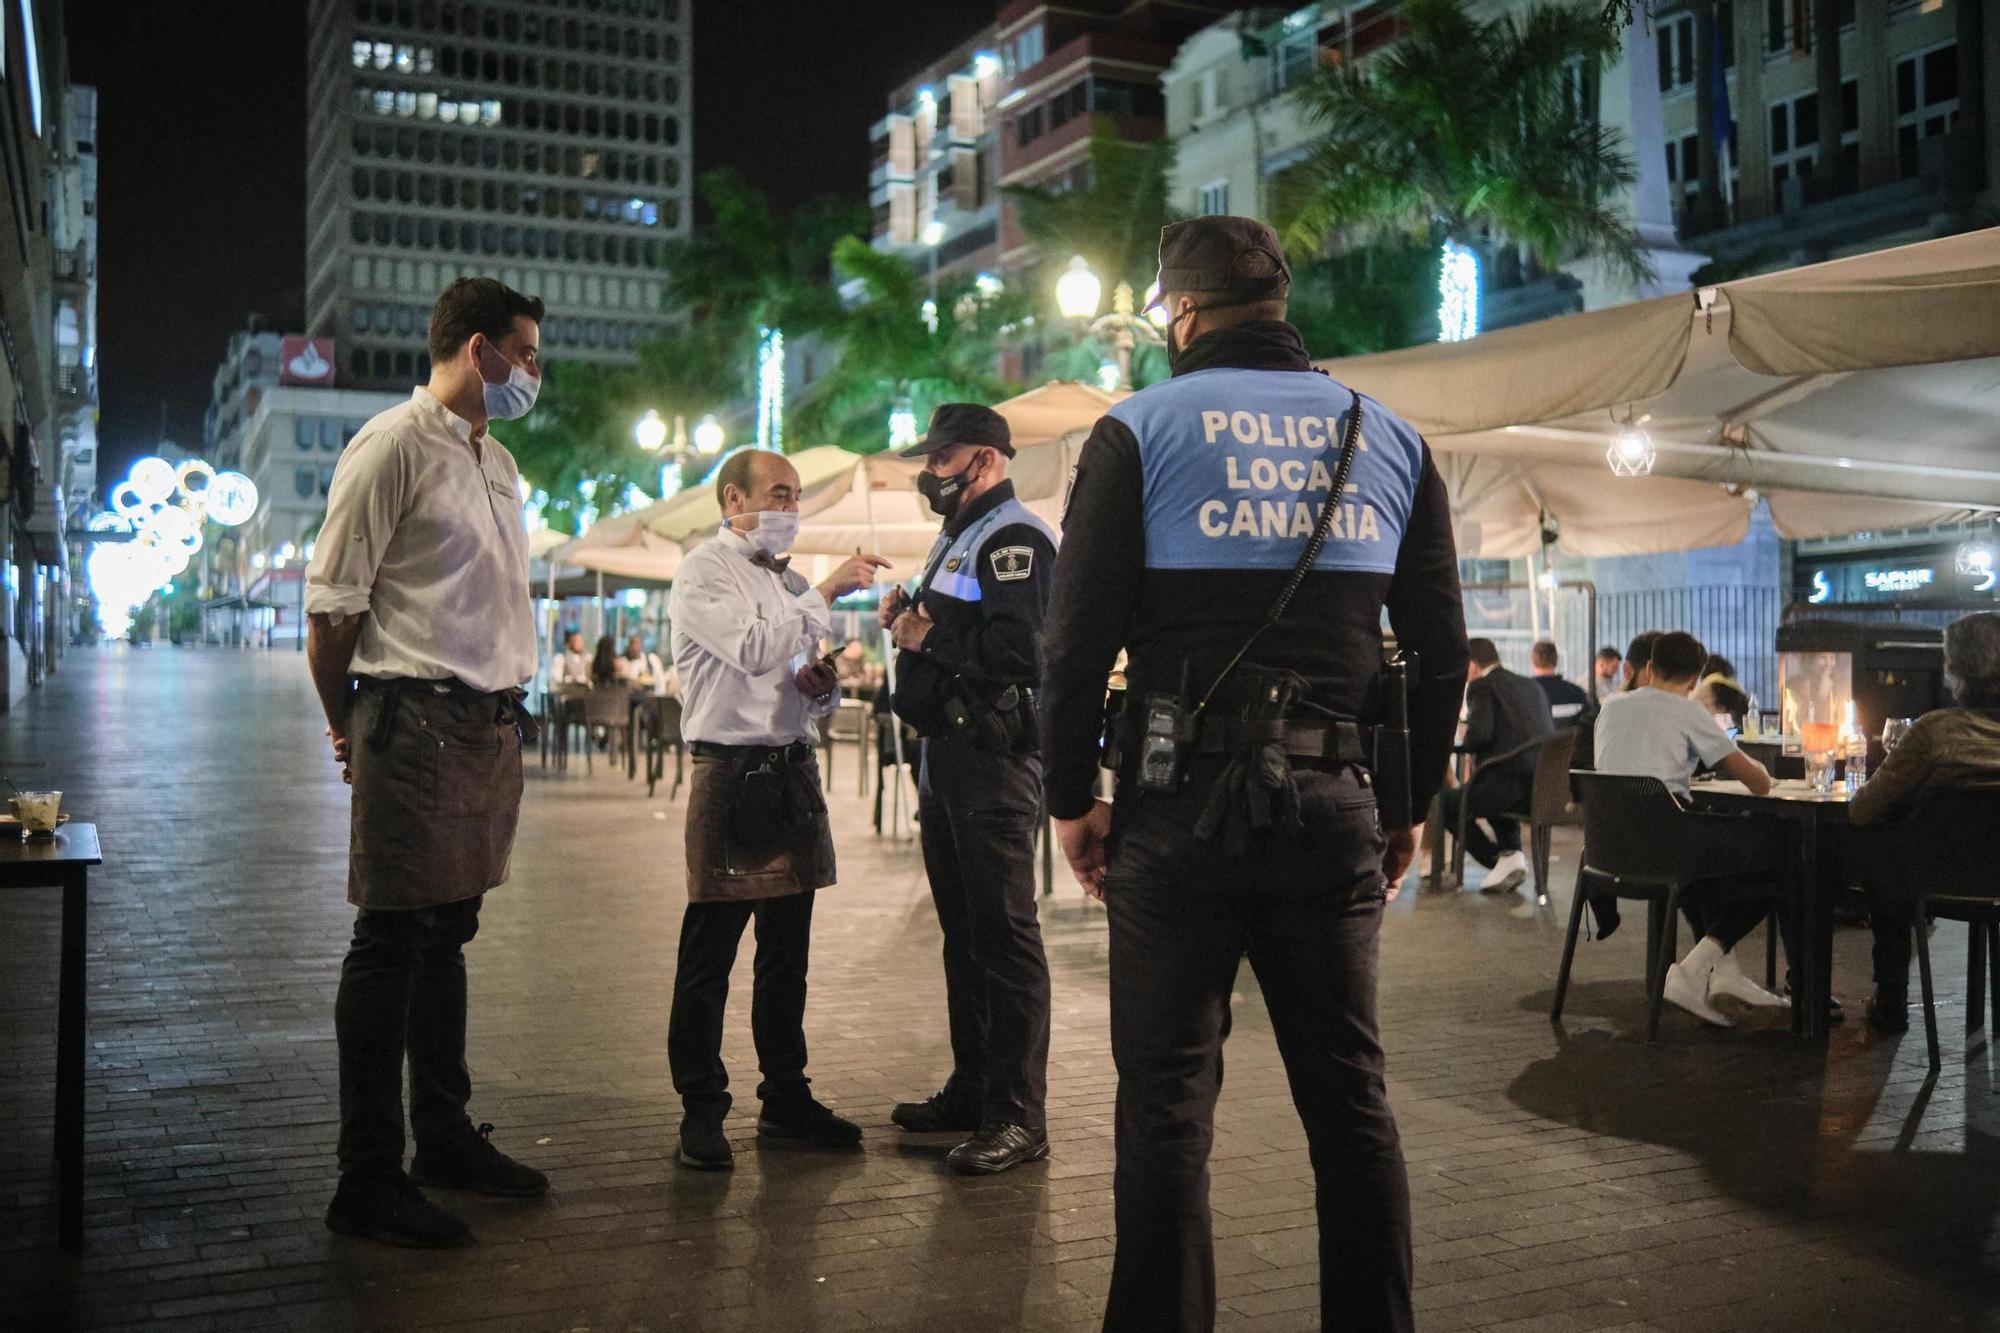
(796, 752)
(510, 706)
(1341, 742)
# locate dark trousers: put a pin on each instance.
(1891, 918)
(1174, 954)
(1490, 798)
(978, 812)
(402, 994)
(709, 935)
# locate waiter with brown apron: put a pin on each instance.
(419, 636)
(746, 636)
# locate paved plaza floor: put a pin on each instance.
(1565, 1178)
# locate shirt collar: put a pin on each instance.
(968, 514)
(429, 404)
(731, 535)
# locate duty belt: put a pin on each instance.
(793, 752)
(1342, 742)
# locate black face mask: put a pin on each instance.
(1175, 347)
(945, 494)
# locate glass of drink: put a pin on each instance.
(1894, 730)
(1820, 767)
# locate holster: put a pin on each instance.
(999, 721)
(1256, 797)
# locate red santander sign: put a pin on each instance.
(303, 360)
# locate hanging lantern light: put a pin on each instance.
(1631, 452)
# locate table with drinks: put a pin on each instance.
(1836, 768)
(60, 857)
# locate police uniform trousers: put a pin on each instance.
(978, 811)
(1182, 917)
(437, 793)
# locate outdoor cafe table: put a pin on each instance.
(63, 862)
(1821, 818)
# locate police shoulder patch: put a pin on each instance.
(1011, 563)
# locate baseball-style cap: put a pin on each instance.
(1237, 259)
(963, 423)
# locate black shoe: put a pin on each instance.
(1889, 1011)
(471, 1162)
(1835, 1015)
(948, 1110)
(800, 1116)
(996, 1148)
(704, 1146)
(395, 1212)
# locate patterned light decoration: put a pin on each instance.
(771, 389)
(902, 425)
(164, 508)
(1631, 453)
(1458, 294)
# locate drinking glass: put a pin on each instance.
(1894, 730)
(1820, 768)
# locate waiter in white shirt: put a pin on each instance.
(420, 637)
(746, 634)
(643, 669)
(572, 665)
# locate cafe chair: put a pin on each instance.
(1488, 765)
(885, 758)
(610, 707)
(849, 723)
(1550, 804)
(1641, 843)
(662, 724)
(566, 717)
(1942, 859)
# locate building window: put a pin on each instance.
(304, 433)
(1027, 127)
(305, 481)
(329, 435)
(1206, 103)
(1212, 199)
(1926, 101)
(1794, 140)
(1788, 24)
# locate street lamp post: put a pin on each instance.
(933, 237)
(1078, 292)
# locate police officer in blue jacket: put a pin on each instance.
(1193, 503)
(966, 673)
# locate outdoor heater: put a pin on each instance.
(1843, 674)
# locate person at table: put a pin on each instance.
(604, 662)
(856, 673)
(1610, 663)
(1721, 695)
(641, 668)
(1567, 700)
(1944, 750)
(1638, 660)
(1659, 731)
(572, 665)
(420, 637)
(746, 632)
(1503, 711)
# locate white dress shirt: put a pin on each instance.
(646, 668)
(740, 632)
(570, 668)
(427, 539)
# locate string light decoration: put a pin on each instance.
(771, 389)
(163, 508)
(1458, 294)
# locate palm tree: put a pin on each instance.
(1113, 219)
(892, 357)
(577, 444)
(1465, 129)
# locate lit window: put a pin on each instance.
(447, 110)
(361, 53)
(468, 113)
(406, 59)
(385, 55)
(1213, 198)
(427, 105)
(385, 101)
(634, 209)
(426, 60)
(406, 104)
(489, 113)
(650, 215)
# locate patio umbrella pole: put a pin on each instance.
(889, 662)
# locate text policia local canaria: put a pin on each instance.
(1299, 476)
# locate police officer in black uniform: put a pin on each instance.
(970, 660)
(1249, 825)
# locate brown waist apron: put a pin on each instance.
(437, 793)
(757, 825)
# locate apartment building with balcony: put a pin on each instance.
(1916, 122)
(934, 174)
(1070, 65)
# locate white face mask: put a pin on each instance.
(775, 532)
(513, 398)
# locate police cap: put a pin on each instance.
(1236, 259)
(963, 423)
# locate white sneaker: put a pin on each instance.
(1506, 874)
(1729, 982)
(1683, 993)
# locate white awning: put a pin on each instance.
(1859, 393)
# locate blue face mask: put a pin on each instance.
(513, 397)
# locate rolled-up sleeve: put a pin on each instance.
(362, 509)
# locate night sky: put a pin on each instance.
(201, 168)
